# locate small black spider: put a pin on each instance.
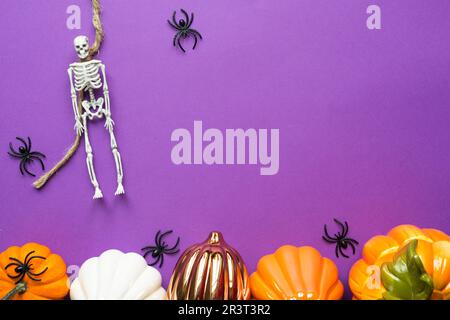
(160, 249)
(25, 268)
(340, 239)
(183, 26)
(25, 155)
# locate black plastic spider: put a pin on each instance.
(25, 268)
(160, 249)
(26, 156)
(340, 239)
(184, 29)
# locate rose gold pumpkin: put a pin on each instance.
(211, 270)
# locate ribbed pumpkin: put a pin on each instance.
(46, 277)
(115, 275)
(293, 273)
(211, 270)
(433, 248)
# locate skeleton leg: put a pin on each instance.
(118, 161)
(90, 161)
(110, 126)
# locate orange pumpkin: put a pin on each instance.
(433, 249)
(32, 272)
(293, 273)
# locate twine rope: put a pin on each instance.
(93, 51)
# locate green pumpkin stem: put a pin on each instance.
(405, 277)
(20, 289)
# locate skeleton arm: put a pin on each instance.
(109, 124)
(78, 125)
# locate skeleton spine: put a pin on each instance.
(92, 95)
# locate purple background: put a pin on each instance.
(364, 123)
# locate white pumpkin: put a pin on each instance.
(115, 275)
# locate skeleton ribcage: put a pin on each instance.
(87, 75)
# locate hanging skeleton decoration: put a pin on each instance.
(89, 76)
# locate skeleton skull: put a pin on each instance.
(81, 44)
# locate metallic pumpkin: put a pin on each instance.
(211, 270)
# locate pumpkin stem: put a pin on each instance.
(20, 289)
(405, 277)
(215, 238)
